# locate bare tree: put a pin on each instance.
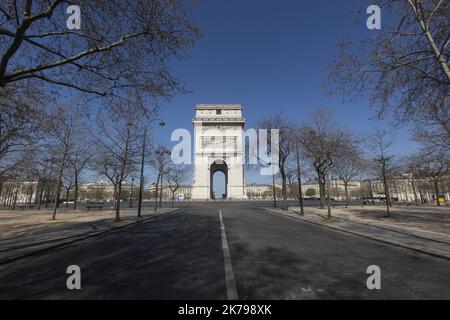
(174, 178)
(285, 145)
(323, 142)
(38, 57)
(413, 164)
(95, 59)
(435, 166)
(63, 130)
(21, 116)
(118, 148)
(146, 120)
(160, 161)
(404, 67)
(43, 170)
(80, 155)
(68, 183)
(78, 160)
(291, 176)
(16, 185)
(348, 167)
(384, 163)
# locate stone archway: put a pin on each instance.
(218, 130)
(218, 165)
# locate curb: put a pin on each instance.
(79, 238)
(437, 255)
(382, 228)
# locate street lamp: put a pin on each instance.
(273, 185)
(141, 183)
(299, 178)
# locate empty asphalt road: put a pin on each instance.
(221, 250)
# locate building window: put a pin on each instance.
(218, 112)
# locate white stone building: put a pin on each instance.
(218, 131)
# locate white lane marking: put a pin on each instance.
(229, 274)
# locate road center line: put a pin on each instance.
(229, 274)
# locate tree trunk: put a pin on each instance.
(388, 190)
(8, 197)
(58, 187)
(386, 193)
(322, 192)
(173, 198)
(141, 179)
(115, 196)
(41, 193)
(75, 197)
(162, 190)
(46, 197)
(416, 200)
(346, 193)
(436, 189)
(119, 192)
(284, 192)
(67, 197)
(327, 184)
(156, 192)
(370, 190)
(30, 196)
(299, 180)
(274, 194)
(15, 196)
(425, 28)
(420, 192)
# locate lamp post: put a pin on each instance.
(299, 178)
(141, 182)
(273, 185)
(327, 192)
(274, 189)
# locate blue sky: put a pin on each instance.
(270, 57)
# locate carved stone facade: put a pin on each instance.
(218, 131)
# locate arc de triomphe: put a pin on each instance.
(218, 131)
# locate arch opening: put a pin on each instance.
(219, 180)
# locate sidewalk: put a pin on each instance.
(413, 228)
(27, 232)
